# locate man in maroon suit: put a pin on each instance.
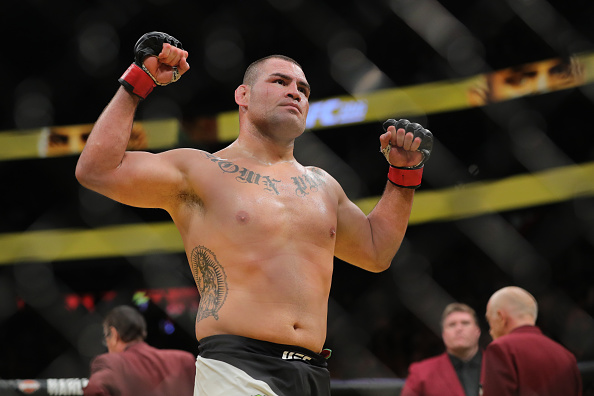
(132, 367)
(521, 361)
(455, 372)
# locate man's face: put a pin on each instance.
(279, 95)
(109, 339)
(533, 78)
(460, 332)
(67, 140)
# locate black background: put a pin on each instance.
(60, 67)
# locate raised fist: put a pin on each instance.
(159, 59)
(402, 145)
(152, 44)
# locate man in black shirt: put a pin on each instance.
(457, 371)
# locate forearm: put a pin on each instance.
(370, 242)
(388, 222)
(108, 140)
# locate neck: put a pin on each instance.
(519, 322)
(464, 354)
(263, 150)
(121, 346)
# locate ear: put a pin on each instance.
(242, 95)
(502, 317)
(114, 332)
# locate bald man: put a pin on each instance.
(521, 361)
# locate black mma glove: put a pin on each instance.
(137, 79)
(409, 176)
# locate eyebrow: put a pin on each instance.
(286, 77)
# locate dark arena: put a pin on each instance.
(500, 95)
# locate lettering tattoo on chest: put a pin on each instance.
(245, 175)
(211, 281)
(308, 182)
(304, 184)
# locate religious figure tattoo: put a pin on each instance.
(211, 281)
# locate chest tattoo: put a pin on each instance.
(305, 184)
(245, 175)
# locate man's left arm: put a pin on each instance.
(370, 242)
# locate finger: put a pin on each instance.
(399, 140)
(174, 57)
(151, 62)
(179, 55)
(385, 138)
(408, 139)
(416, 144)
(165, 51)
(184, 66)
(171, 55)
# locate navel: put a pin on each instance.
(242, 216)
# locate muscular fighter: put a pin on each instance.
(260, 230)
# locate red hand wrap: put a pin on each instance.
(407, 178)
(136, 81)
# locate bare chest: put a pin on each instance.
(275, 202)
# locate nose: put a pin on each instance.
(542, 83)
(293, 92)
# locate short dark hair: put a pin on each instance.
(129, 323)
(458, 307)
(252, 71)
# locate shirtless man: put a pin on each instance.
(260, 230)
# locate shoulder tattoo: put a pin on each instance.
(211, 281)
(308, 182)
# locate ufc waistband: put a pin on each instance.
(233, 365)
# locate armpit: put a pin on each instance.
(190, 198)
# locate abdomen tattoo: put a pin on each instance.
(211, 281)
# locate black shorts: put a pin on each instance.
(235, 365)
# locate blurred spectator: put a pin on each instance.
(521, 360)
(67, 140)
(527, 79)
(132, 367)
(457, 371)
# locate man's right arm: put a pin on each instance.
(412, 384)
(134, 178)
(101, 378)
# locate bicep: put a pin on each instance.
(142, 179)
(371, 241)
(354, 242)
